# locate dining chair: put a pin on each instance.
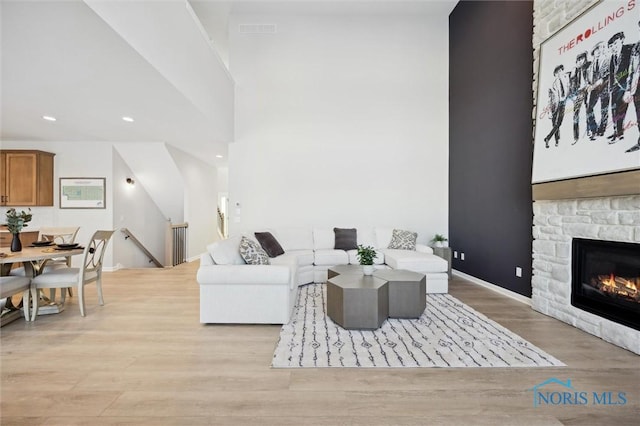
(67, 277)
(10, 286)
(57, 235)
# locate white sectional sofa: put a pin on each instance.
(234, 292)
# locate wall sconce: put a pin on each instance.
(131, 181)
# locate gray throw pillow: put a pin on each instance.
(252, 253)
(269, 243)
(403, 240)
(346, 238)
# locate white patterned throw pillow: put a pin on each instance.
(403, 240)
(252, 252)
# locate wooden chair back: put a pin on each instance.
(59, 235)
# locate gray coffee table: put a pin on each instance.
(334, 271)
(357, 301)
(349, 298)
(407, 292)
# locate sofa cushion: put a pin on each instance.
(294, 238)
(301, 257)
(323, 238)
(226, 252)
(345, 238)
(383, 237)
(367, 237)
(424, 249)
(252, 253)
(403, 240)
(415, 261)
(269, 243)
(331, 257)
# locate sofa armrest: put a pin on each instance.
(206, 259)
(293, 275)
(421, 248)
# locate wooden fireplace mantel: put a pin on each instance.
(609, 185)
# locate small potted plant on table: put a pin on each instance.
(15, 222)
(439, 240)
(365, 257)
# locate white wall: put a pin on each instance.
(159, 175)
(73, 159)
(200, 200)
(134, 209)
(340, 121)
(223, 179)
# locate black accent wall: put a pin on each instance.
(490, 140)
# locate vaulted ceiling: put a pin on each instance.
(90, 63)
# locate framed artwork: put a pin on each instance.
(82, 193)
(588, 99)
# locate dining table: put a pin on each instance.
(34, 259)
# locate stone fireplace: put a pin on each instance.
(564, 213)
(556, 225)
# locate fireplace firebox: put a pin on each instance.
(606, 280)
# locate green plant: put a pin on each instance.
(439, 238)
(366, 254)
(16, 221)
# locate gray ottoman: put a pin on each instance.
(334, 271)
(357, 301)
(407, 292)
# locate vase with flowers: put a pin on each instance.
(15, 222)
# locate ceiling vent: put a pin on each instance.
(257, 28)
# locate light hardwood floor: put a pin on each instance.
(144, 359)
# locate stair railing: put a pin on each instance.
(176, 244)
(222, 224)
(152, 258)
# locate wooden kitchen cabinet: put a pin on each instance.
(26, 178)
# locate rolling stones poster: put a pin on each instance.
(588, 101)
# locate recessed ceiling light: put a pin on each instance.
(218, 156)
(48, 118)
(128, 119)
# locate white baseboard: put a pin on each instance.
(520, 298)
(120, 266)
(112, 268)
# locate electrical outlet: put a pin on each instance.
(461, 256)
(518, 271)
(455, 254)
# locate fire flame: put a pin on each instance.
(619, 284)
(609, 282)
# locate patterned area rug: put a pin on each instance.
(448, 334)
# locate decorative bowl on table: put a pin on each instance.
(41, 243)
